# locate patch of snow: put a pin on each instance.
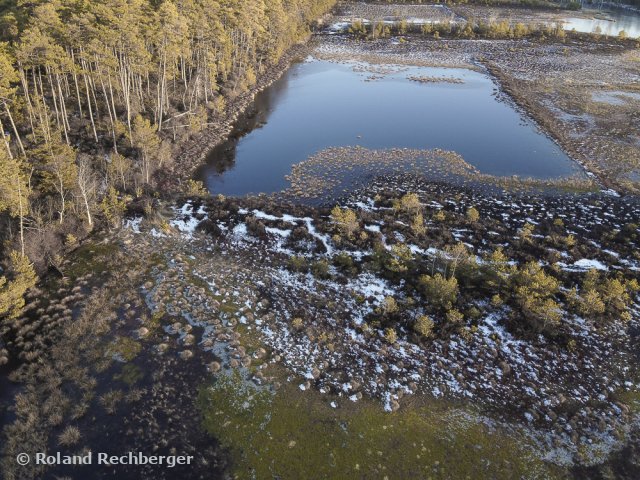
(133, 224)
(279, 232)
(584, 265)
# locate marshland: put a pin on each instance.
(321, 240)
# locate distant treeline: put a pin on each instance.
(621, 3)
(93, 94)
(569, 4)
(503, 29)
(506, 3)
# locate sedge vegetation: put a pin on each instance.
(96, 96)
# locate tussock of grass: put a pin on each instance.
(69, 436)
(130, 374)
(125, 348)
(110, 400)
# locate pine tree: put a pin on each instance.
(144, 138)
(533, 293)
(14, 191)
(58, 171)
(22, 277)
(8, 80)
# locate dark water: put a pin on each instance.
(319, 104)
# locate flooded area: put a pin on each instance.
(321, 104)
(609, 23)
(392, 14)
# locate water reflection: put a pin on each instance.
(323, 104)
(609, 23)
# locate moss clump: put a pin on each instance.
(125, 348)
(631, 399)
(90, 258)
(229, 308)
(292, 435)
(130, 374)
(197, 282)
(155, 322)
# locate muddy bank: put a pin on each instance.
(548, 123)
(526, 15)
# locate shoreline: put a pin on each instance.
(192, 153)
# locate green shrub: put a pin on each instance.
(417, 225)
(526, 232)
(454, 317)
(473, 215)
(573, 5)
(298, 264)
(424, 326)
(344, 262)
(358, 28)
(125, 348)
(389, 306)
(320, 269)
(390, 335)
(439, 291)
(297, 323)
(609, 297)
(399, 259)
(409, 204)
(195, 188)
(533, 293)
(346, 221)
(113, 207)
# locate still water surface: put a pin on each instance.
(607, 23)
(320, 104)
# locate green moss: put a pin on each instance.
(230, 308)
(156, 260)
(124, 347)
(294, 434)
(90, 258)
(630, 399)
(130, 374)
(196, 281)
(155, 321)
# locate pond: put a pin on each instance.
(321, 104)
(610, 23)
